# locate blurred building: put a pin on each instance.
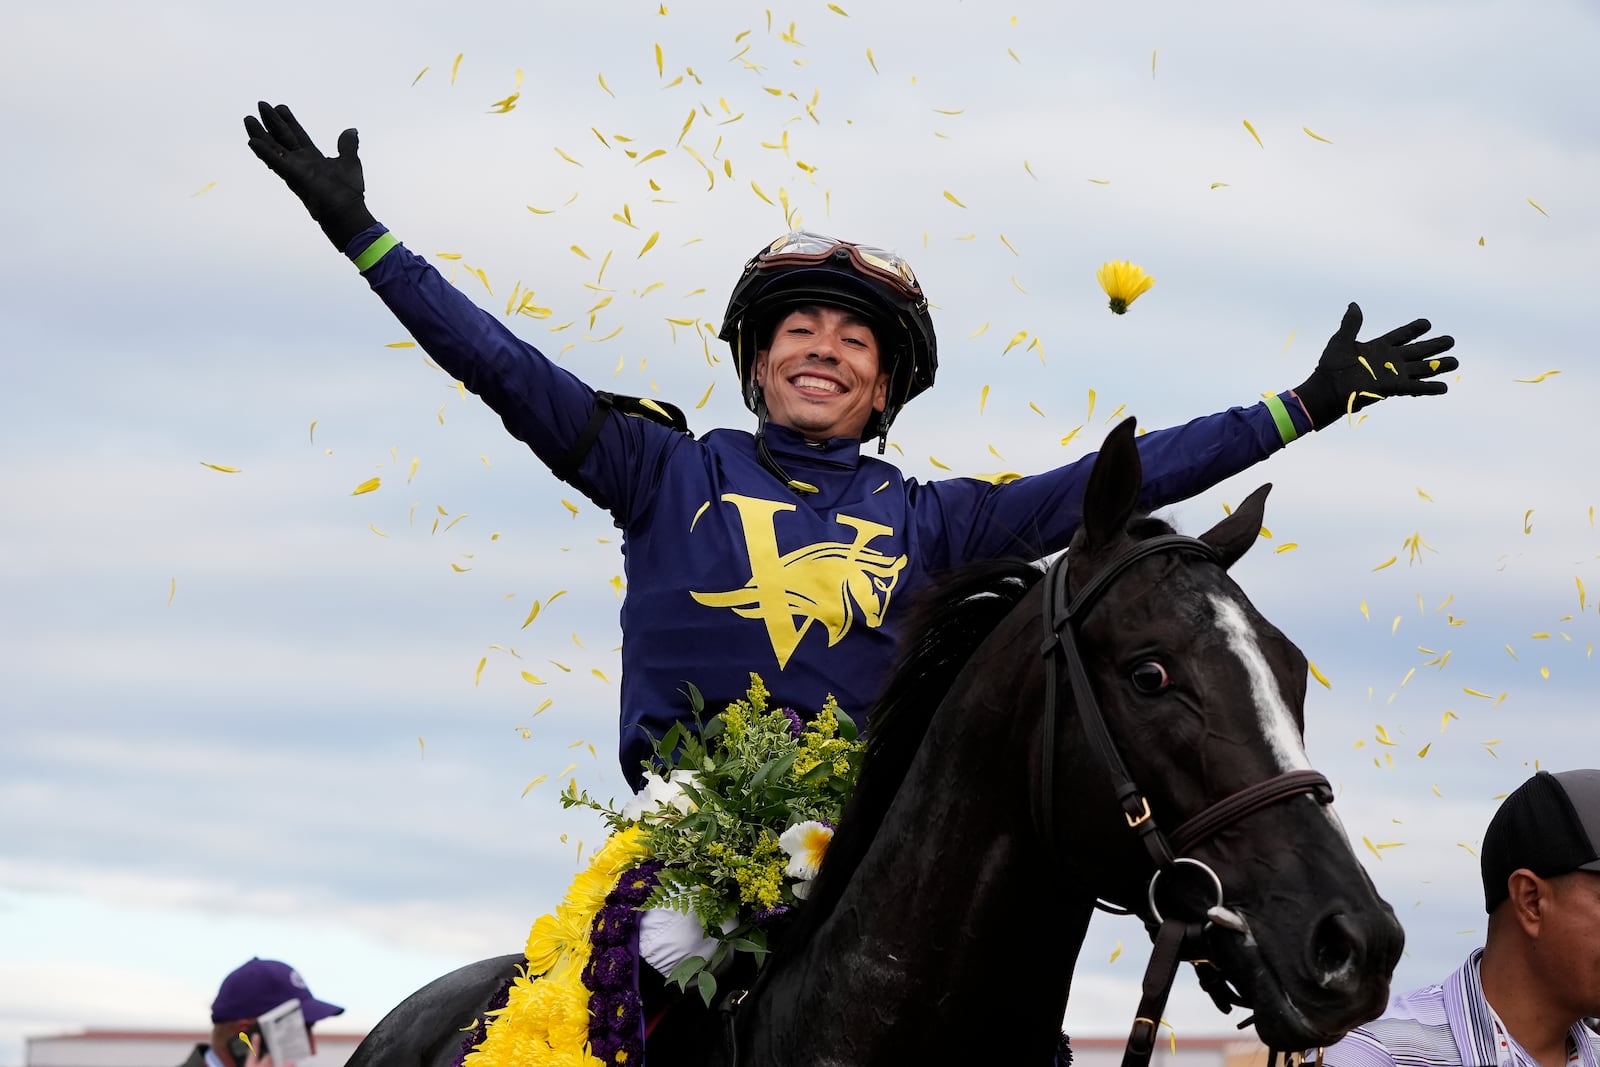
(155, 1048)
(169, 1048)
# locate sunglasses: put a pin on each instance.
(803, 247)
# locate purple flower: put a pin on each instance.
(766, 915)
(795, 725)
(616, 1015)
(611, 967)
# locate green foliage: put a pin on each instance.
(716, 801)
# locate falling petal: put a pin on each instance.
(1314, 136)
(172, 591)
(456, 66)
(1253, 132)
(1538, 378)
(983, 399)
(1539, 209)
(936, 463)
(948, 195)
(1391, 561)
(477, 675)
(1319, 676)
(220, 467)
(604, 86)
(1219, 185)
(366, 487)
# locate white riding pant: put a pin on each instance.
(667, 938)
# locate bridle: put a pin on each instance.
(1175, 936)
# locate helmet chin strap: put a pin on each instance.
(764, 454)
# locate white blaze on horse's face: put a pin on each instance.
(1277, 725)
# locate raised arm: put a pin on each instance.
(604, 453)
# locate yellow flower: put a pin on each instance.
(1123, 283)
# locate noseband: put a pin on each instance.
(1174, 935)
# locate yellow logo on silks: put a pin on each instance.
(827, 582)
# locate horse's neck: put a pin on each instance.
(924, 943)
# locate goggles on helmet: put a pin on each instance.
(800, 247)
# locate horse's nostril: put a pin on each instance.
(1336, 946)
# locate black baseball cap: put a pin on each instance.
(1549, 824)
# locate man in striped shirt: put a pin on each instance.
(1525, 998)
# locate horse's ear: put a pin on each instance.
(1233, 536)
(1114, 485)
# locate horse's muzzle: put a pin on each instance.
(1337, 980)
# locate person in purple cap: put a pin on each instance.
(251, 990)
(1526, 998)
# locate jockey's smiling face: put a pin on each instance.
(820, 373)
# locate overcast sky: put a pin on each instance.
(244, 713)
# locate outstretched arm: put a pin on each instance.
(1352, 374)
(541, 404)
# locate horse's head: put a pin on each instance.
(1203, 699)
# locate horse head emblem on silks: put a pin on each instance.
(828, 582)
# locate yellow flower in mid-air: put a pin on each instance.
(1123, 283)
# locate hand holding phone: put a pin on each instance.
(282, 1034)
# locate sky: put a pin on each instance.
(248, 711)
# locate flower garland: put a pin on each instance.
(546, 1018)
(731, 826)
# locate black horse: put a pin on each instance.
(1044, 747)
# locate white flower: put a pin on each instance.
(805, 843)
(660, 795)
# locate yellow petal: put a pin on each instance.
(1318, 675)
(366, 487)
(936, 463)
(477, 675)
(220, 467)
(1387, 563)
(1253, 132)
(948, 195)
(1315, 137)
(1539, 209)
(1538, 378)
(532, 679)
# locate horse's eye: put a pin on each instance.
(1149, 677)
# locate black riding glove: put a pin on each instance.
(332, 189)
(1352, 374)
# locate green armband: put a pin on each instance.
(1281, 419)
(379, 248)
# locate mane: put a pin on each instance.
(947, 622)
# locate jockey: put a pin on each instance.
(786, 551)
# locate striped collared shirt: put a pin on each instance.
(1446, 1025)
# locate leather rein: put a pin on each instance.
(1175, 937)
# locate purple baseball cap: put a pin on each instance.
(261, 985)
